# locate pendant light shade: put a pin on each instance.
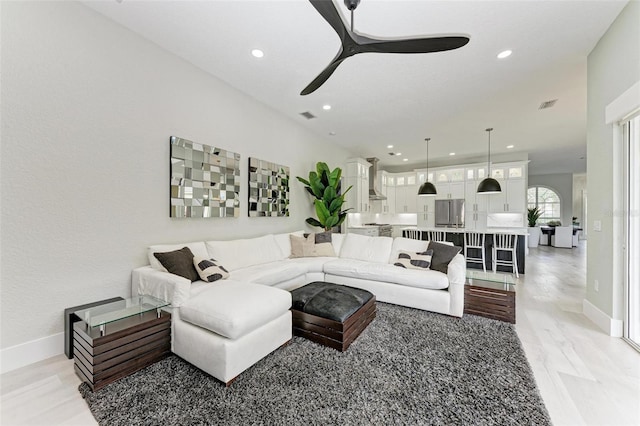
(427, 188)
(489, 185)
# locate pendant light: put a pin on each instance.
(489, 185)
(427, 188)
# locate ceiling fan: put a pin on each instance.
(353, 43)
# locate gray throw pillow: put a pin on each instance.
(442, 255)
(179, 262)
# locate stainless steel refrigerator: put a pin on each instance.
(450, 213)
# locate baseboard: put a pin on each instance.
(612, 327)
(27, 353)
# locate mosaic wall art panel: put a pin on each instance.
(205, 180)
(268, 189)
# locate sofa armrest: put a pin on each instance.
(457, 275)
(162, 285)
(457, 270)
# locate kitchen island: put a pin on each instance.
(456, 236)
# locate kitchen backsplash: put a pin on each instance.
(505, 220)
(359, 219)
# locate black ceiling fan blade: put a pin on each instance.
(324, 75)
(413, 45)
(328, 11)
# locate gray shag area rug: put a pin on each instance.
(408, 367)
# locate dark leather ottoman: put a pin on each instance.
(331, 314)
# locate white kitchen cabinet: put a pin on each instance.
(513, 198)
(406, 193)
(450, 190)
(357, 176)
(426, 212)
(475, 206)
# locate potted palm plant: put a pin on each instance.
(533, 214)
(324, 185)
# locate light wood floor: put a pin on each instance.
(584, 376)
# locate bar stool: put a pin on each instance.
(436, 235)
(475, 240)
(414, 234)
(508, 243)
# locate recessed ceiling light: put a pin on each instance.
(504, 54)
(389, 146)
(509, 146)
(257, 53)
(332, 133)
(452, 153)
(398, 153)
(326, 107)
(405, 159)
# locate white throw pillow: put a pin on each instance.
(412, 260)
(406, 244)
(210, 270)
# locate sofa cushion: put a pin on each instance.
(413, 260)
(236, 254)
(311, 264)
(406, 244)
(198, 248)
(336, 241)
(284, 242)
(179, 262)
(386, 272)
(442, 255)
(210, 270)
(233, 309)
(269, 273)
(371, 249)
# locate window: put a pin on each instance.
(546, 200)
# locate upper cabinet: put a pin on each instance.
(357, 176)
(513, 198)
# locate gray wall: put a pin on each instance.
(563, 185)
(613, 67)
(87, 110)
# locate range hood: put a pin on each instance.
(374, 194)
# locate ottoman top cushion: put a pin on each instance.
(327, 300)
(233, 308)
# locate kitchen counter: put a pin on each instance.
(456, 236)
(517, 231)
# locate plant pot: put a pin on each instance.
(534, 236)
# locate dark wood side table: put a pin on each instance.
(490, 295)
(117, 339)
(70, 318)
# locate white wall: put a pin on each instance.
(87, 111)
(562, 183)
(579, 187)
(613, 66)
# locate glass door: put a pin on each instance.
(631, 132)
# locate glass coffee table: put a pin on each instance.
(491, 295)
(116, 339)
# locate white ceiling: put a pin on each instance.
(381, 99)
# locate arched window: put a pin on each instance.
(546, 200)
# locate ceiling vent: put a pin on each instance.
(307, 115)
(392, 153)
(548, 104)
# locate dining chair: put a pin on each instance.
(436, 235)
(562, 237)
(414, 234)
(505, 243)
(475, 241)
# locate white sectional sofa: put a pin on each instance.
(223, 327)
